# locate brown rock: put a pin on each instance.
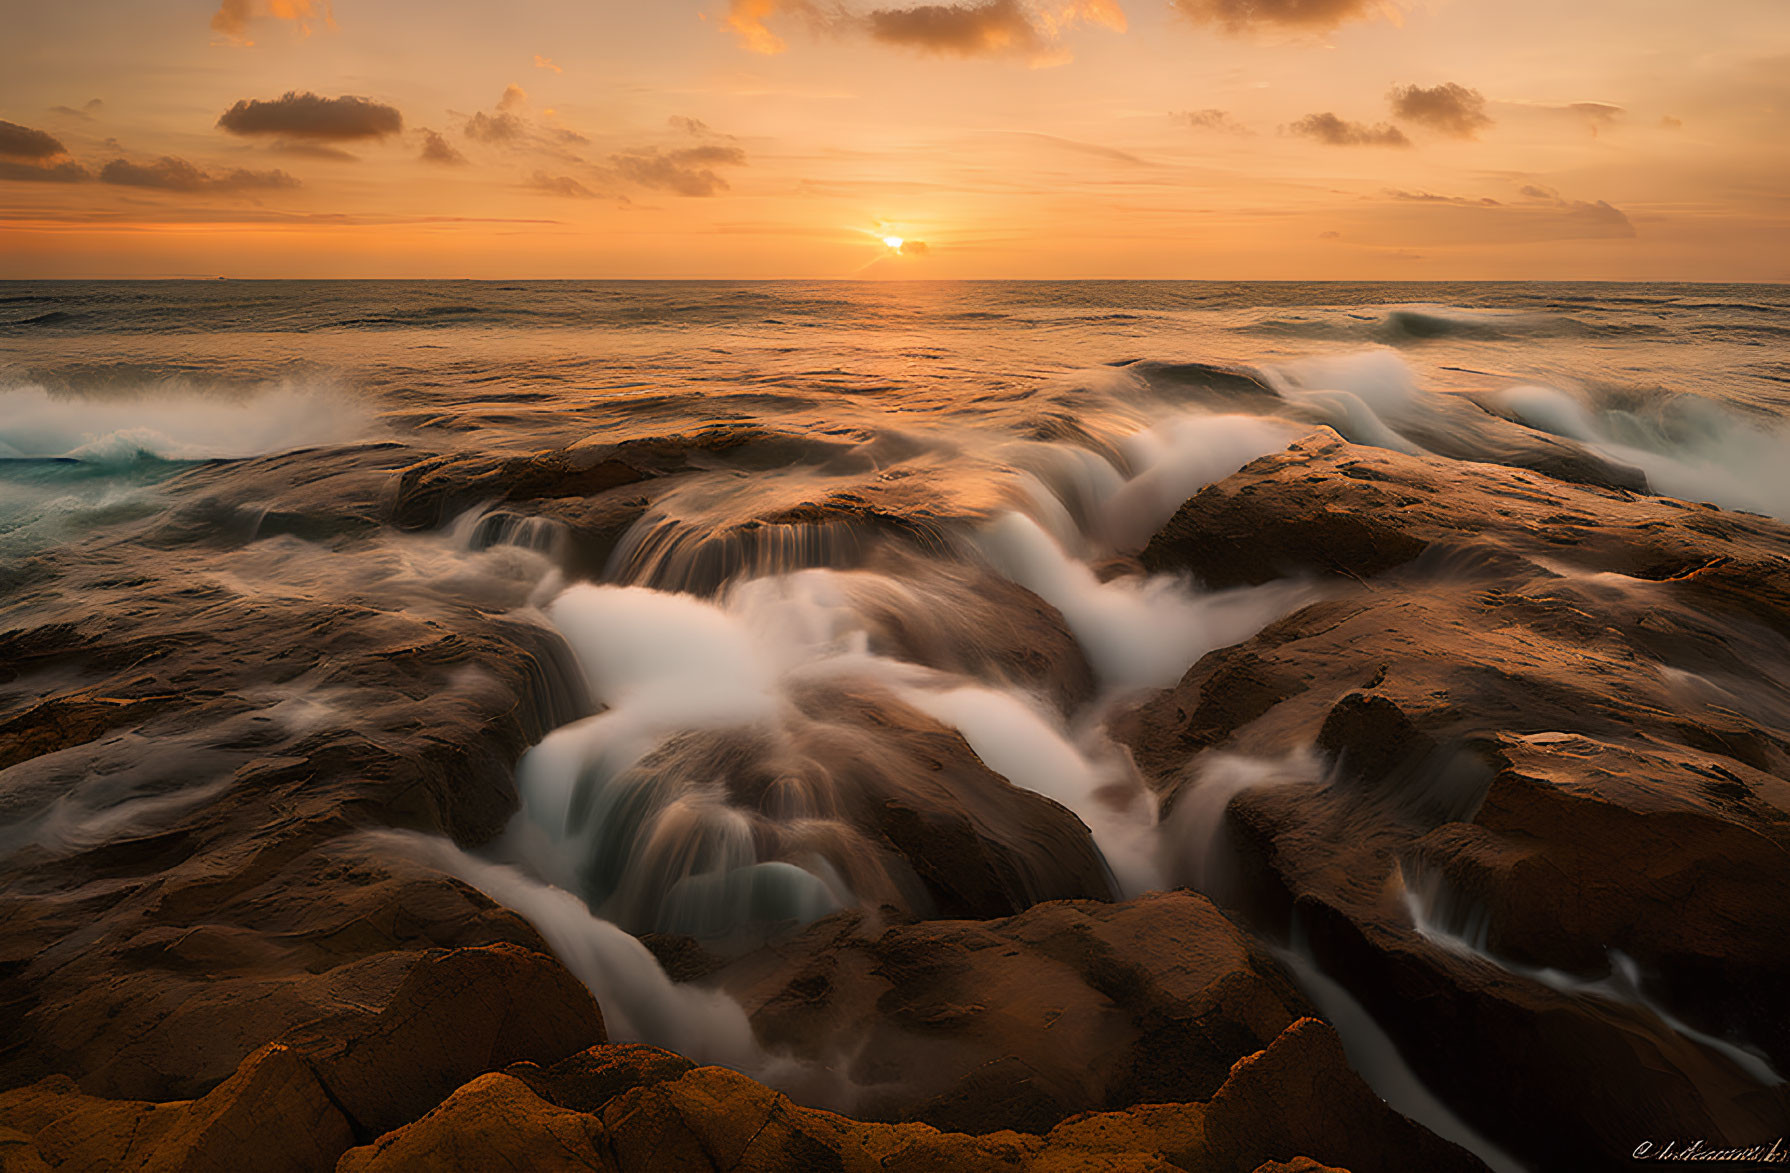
(457, 1013)
(1297, 1096)
(1539, 716)
(1068, 1007)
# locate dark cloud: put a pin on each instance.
(23, 142)
(559, 185)
(171, 174)
(1211, 120)
(1332, 234)
(1449, 108)
(307, 115)
(438, 150)
(88, 111)
(1338, 132)
(963, 30)
(687, 172)
(67, 171)
(1669, 122)
(1239, 15)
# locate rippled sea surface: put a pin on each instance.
(200, 369)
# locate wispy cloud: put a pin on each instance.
(169, 173)
(1211, 119)
(686, 172)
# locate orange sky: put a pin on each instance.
(1609, 139)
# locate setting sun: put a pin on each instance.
(893, 242)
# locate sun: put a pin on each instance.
(894, 242)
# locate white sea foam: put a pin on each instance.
(640, 1004)
(188, 425)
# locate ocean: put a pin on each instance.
(639, 607)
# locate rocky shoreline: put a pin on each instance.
(1540, 831)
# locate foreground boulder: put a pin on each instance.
(1019, 1023)
(1547, 831)
(299, 1102)
(1274, 1109)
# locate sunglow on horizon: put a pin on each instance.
(1130, 140)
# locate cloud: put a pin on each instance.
(67, 171)
(1328, 128)
(546, 63)
(1602, 218)
(986, 28)
(960, 30)
(687, 172)
(1242, 15)
(87, 112)
(1669, 122)
(1449, 108)
(1099, 151)
(1425, 197)
(171, 174)
(1596, 115)
(307, 115)
(966, 28)
(495, 128)
(315, 151)
(24, 142)
(559, 185)
(1211, 120)
(508, 125)
(746, 19)
(438, 150)
(233, 16)
(694, 127)
(1596, 217)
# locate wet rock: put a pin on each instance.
(1016, 1023)
(271, 1114)
(895, 802)
(1552, 749)
(455, 1014)
(1276, 1106)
